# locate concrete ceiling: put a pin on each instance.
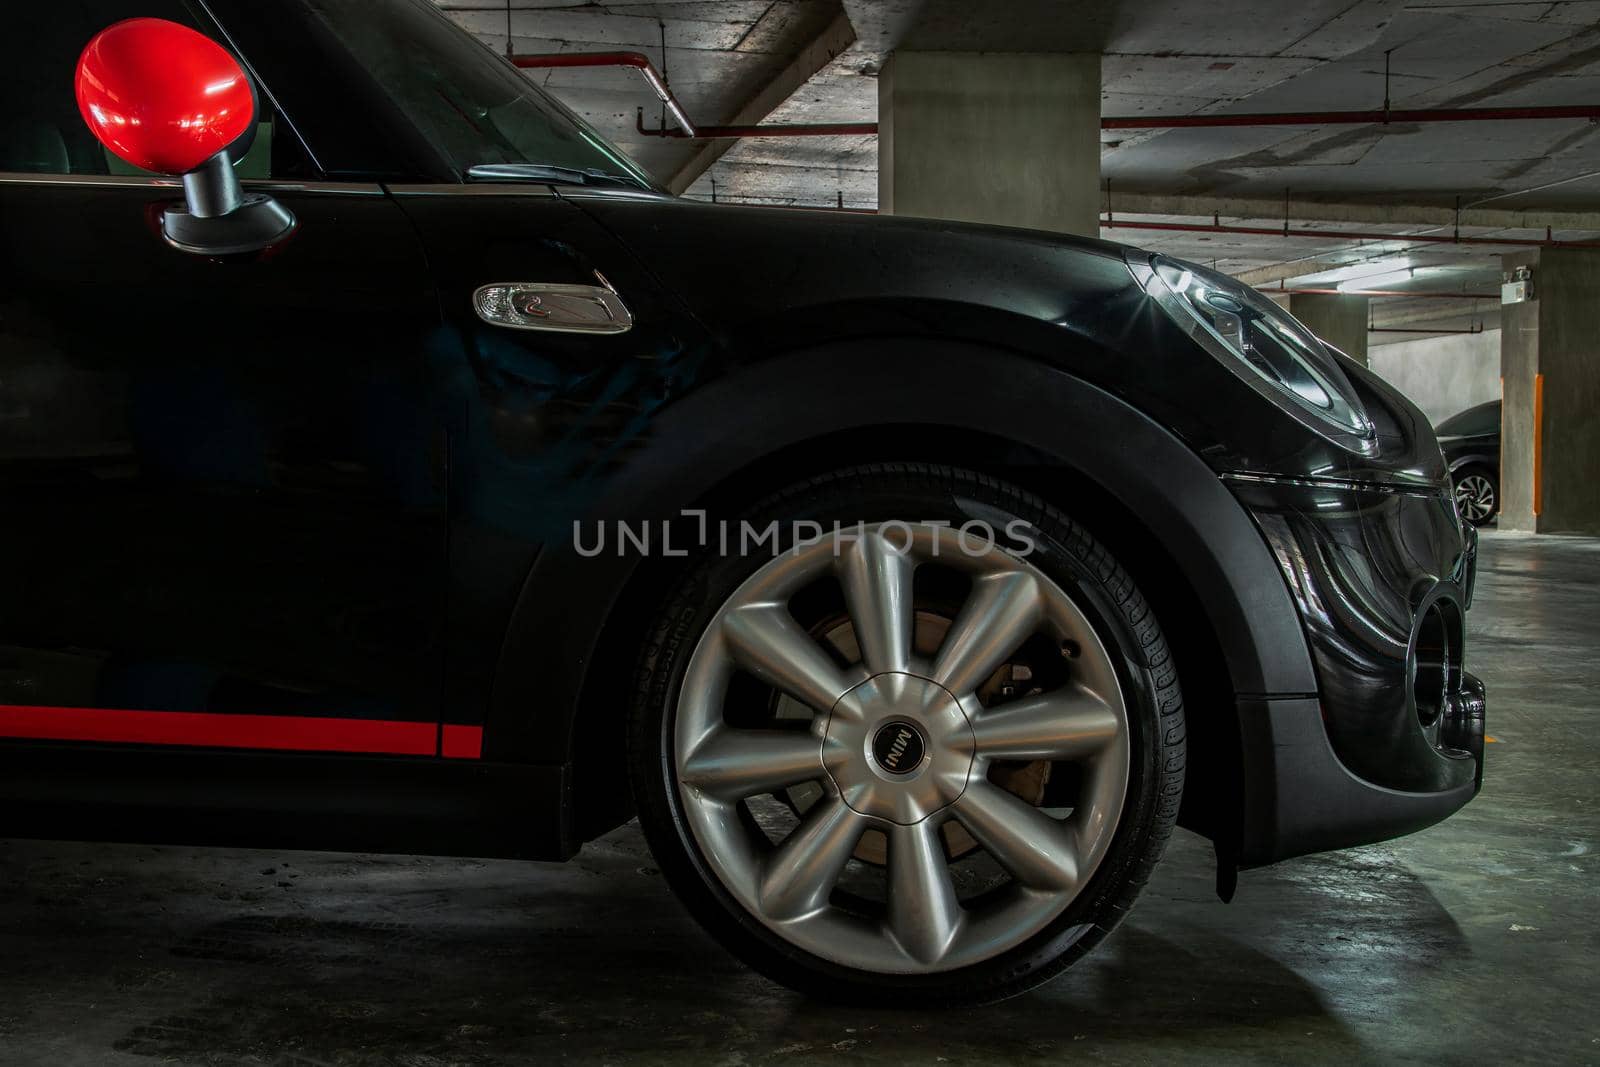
(780, 61)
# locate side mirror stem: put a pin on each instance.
(212, 189)
(218, 218)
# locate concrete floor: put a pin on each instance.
(1474, 940)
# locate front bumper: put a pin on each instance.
(1392, 741)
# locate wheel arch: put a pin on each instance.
(1191, 547)
(1476, 459)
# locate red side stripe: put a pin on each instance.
(462, 742)
(282, 732)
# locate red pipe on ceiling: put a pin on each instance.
(1396, 329)
(815, 129)
(1378, 117)
(687, 129)
(1111, 224)
(1343, 235)
(658, 85)
(584, 59)
(637, 60)
(1417, 295)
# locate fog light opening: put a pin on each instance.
(1431, 670)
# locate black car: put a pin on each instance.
(445, 486)
(1471, 443)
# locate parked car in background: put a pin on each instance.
(1471, 443)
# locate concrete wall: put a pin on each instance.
(1011, 139)
(1442, 375)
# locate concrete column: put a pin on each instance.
(1006, 138)
(1550, 366)
(1519, 365)
(1340, 320)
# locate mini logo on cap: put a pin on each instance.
(898, 747)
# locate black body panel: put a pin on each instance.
(1364, 567)
(768, 281)
(546, 430)
(233, 473)
(1300, 798)
(793, 402)
(275, 800)
(543, 422)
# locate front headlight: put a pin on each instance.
(1261, 343)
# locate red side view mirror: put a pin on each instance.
(168, 99)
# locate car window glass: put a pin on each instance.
(469, 104)
(41, 131)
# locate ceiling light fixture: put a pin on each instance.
(1377, 281)
(1362, 270)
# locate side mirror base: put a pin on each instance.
(257, 222)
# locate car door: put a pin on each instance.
(222, 481)
(548, 414)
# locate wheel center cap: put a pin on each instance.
(898, 747)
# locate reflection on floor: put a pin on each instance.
(1471, 940)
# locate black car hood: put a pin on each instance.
(770, 280)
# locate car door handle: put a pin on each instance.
(548, 306)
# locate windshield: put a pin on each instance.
(472, 106)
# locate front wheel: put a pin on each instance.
(931, 758)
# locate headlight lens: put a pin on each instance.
(1261, 343)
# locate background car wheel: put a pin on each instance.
(1477, 494)
(909, 764)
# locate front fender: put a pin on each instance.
(731, 424)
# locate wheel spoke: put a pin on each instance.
(1066, 724)
(923, 910)
(1475, 498)
(765, 640)
(1036, 849)
(734, 764)
(801, 872)
(877, 590)
(1001, 612)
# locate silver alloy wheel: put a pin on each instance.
(946, 740)
(1475, 498)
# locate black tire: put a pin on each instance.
(1067, 554)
